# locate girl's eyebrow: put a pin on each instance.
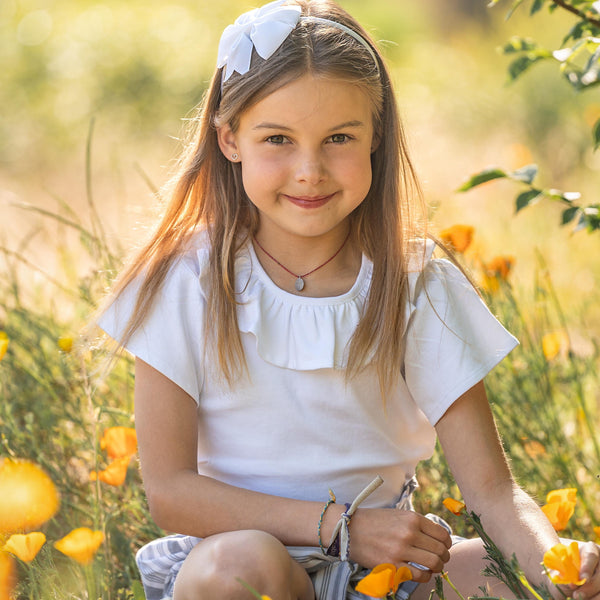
(346, 124)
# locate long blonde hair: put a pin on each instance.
(207, 193)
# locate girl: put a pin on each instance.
(293, 336)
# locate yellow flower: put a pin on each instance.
(81, 544)
(65, 343)
(8, 577)
(454, 506)
(554, 343)
(562, 495)
(28, 497)
(559, 513)
(119, 442)
(534, 449)
(597, 532)
(458, 237)
(3, 344)
(564, 563)
(115, 473)
(26, 546)
(383, 579)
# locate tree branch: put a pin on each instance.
(583, 15)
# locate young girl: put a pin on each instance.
(293, 335)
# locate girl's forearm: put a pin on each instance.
(518, 526)
(196, 505)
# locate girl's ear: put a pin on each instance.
(227, 143)
(375, 142)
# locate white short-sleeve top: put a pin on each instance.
(295, 427)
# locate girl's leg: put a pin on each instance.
(211, 570)
(464, 570)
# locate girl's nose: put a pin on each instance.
(310, 168)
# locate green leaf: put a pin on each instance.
(518, 66)
(526, 198)
(138, 591)
(514, 7)
(519, 44)
(569, 214)
(596, 134)
(536, 6)
(525, 174)
(482, 177)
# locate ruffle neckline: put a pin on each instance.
(300, 332)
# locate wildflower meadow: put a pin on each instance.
(90, 98)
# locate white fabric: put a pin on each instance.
(264, 28)
(295, 427)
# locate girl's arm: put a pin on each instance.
(183, 501)
(470, 440)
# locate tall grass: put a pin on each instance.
(54, 408)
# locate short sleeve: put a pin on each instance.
(452, 339)
(170, 339)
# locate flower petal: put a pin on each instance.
(25, 547)
(379, 582)
(28, 498)
(562, 495)
(119, 441)
(81, 544)
(115, 473)
(559, 513)
(454, 506)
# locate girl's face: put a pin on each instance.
(305, 153)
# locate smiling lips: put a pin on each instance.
(309, 201)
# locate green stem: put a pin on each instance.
(445, 576)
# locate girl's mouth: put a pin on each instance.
(309, 201)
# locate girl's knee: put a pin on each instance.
(216, 566)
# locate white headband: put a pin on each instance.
(266, 29)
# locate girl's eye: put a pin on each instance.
(339, 138)
(276, 139)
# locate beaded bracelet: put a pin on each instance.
(327, 505)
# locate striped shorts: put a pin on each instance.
(160, 561)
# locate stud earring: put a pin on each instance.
(234, 156)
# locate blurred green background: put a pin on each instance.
(138, 68)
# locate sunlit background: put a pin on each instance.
(137, 68)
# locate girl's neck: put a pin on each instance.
(327, 265)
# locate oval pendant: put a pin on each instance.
(299, 285)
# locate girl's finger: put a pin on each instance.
(590, 557)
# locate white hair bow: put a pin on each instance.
(263, 28)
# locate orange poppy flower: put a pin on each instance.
(562, 495)
(8, 576)
(115, 473)
(563, 563)
(119, 442)
(454, 506)
(559, 513)
(597, 532)
(458, 237)
(81, 544)
(28, 497)
(383, 579)
(500, 266)
(25, 547)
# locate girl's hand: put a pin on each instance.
(389, 535)
(590, 569)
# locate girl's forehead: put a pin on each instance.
(312, 97)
